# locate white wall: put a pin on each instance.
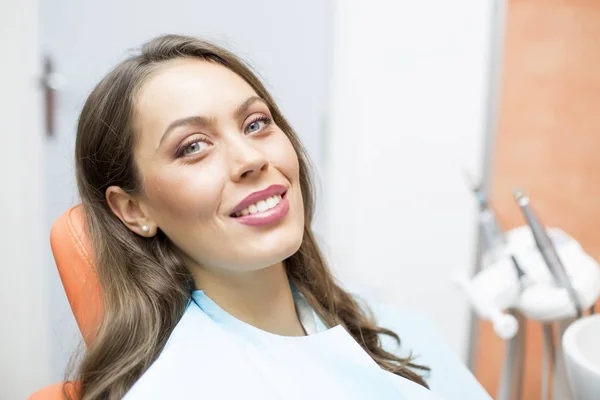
(408, 109)
(24, 355)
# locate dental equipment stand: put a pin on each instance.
(518, 277)
(511, 378)
(554, 375)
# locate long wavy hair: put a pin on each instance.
(144, 283)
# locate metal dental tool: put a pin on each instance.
(490, 228)
(547, 250)
(520, 273)
(492, 233)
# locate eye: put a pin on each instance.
(258, 124)
(191, 148)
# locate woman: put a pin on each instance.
(196, 187)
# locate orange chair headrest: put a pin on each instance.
(73, 255)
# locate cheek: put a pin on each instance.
(183, 194)
(284, 158)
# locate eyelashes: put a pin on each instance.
(201, 143)
(259, 118)
(197, 144)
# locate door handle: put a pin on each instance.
(51, 83)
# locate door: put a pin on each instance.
(288, 43)
(23, 339)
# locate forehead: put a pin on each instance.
(189, 87)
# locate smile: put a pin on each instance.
(260, 206)
(264, 207)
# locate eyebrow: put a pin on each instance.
(204, 121)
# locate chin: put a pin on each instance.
(268, 253)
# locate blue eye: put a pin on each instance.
(195, 147)
(258, 124)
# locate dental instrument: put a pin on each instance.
(490, 227)
(547, 250)
(520, 273)
(492, 233)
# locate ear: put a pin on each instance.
(130, 211)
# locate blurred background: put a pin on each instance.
(392, 99)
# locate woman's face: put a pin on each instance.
(219, 178)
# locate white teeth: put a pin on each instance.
(260, 206)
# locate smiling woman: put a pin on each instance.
(206, 145)
(199, 203)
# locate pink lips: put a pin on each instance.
(270, 216)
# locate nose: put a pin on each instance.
(246, 160)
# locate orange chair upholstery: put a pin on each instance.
(72, 252)
(55, 392)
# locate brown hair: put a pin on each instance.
(145, 284)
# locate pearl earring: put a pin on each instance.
(146, 228)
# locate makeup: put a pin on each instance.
(263, 207)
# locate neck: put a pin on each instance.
(262, 298)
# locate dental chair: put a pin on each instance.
(72, 252)
(449, 378)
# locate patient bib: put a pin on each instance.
(212, 355)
